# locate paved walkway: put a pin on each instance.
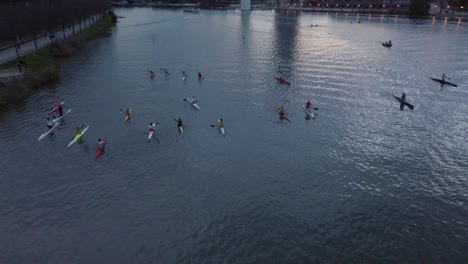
(28, 47)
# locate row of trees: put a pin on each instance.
(25, 19)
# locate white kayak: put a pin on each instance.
(194, 104)
(41, 137)
(60, 117)
(150, 133)
(222, 130)
(78, 136)
(308, 112)
(184, 77)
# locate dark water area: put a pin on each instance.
(363, 182)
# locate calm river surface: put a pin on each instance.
(362, 183)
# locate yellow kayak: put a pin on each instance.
(127, 117)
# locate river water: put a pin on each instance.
(363, 182)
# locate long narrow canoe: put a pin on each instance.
(127, 117)
(282, 81)
(60, 117)
(151, 132)
(443, 82)
(41, 137)
(193, 103)
(101, 148)
(308, 112)
(78, 136)
(282, 116)
(403, 103)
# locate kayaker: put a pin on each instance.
(443, 77)
(127, 113)
(194, 100)
(282, 111)
(151, 72)
(403, 97)
(100, 143)
(308, 104)
(184, 74)
(151, 127)
(200, 77)
(50, 124)
(389, 42)
(166, 72)
(221, 122)
(60, 109)
(179, 123)
(78, 131)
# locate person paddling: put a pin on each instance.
(152, 127)
(127, 113)
(179, 123)
(60, 109)
(444, 76)
(77, 131)
(221, 122)
(49, 123)
(200, 77)
(282, 111)
(100, 143)
(151, 73)
(308, 104)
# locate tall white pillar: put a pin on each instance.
(246, 5)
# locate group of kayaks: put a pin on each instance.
(58, 108)
(80, 131)
(167, 73)
(403, 101)
(307, 108)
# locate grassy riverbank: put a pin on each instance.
(43, 67)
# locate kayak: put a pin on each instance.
(282, 116)
(282, 81)
(78, 136)
(386, 44)
(127, 117)
(308, 112)
(55, 109)
(443, 82)
(60, 117)
(101, 148)
(221, 129)
(403, 103)
(181, 130)
(184, 77)
(151, 132)
(41, 137)
(193, 103)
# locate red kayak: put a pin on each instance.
(282, 81)
(101, 149)
(282, 116)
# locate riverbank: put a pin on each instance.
(43, 67)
